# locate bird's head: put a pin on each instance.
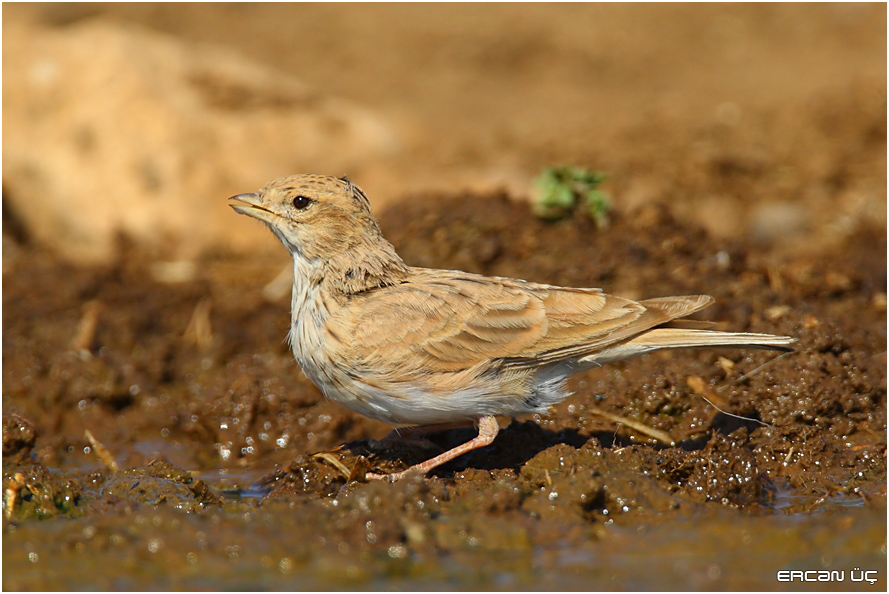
(326, 220)
(314, 216)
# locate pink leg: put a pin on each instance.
(487, 431)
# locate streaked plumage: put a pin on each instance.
(419, 346)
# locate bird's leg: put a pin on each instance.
(487, 431)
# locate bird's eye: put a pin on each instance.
(300, 202)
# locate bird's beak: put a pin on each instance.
(252, 207)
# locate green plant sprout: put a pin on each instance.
(559, 190)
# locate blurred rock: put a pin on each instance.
(111, 128)
(160, 482)
(777, 221)
(19, 437)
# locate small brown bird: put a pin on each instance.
(444, 348)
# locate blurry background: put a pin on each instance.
(145, 117)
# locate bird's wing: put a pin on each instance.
(445, 322)
(452, 321)
(575, 333)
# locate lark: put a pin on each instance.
(431, 349)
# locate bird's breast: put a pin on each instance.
(307, 319)
(309, 314)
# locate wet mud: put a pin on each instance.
(212, 462)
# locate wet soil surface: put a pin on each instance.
(159, 435)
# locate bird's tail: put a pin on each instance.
(679, 338)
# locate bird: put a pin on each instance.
(427, 349)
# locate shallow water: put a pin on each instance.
(247, 543)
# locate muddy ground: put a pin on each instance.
(192, 392)
(214, 463)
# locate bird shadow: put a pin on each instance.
(521, 441)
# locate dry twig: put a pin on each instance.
(642, 428)
(102, 452)
(86, 331)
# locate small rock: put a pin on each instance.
(19, 437)
(777, 221)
